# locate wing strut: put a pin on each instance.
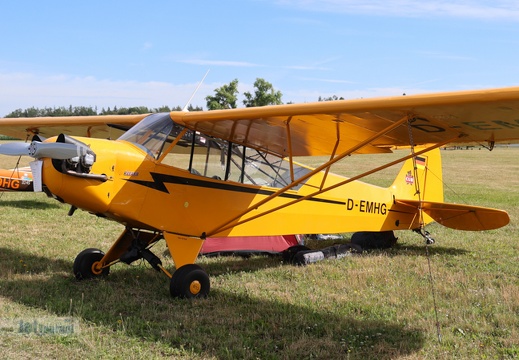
(234, 221)
(334, 151)
(289, 141)
(415, 171)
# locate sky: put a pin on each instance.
(133, 53)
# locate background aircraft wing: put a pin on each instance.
(100, 126)
(484, 116)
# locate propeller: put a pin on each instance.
(38, 150)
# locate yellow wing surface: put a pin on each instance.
(484, 116)
(101, 126)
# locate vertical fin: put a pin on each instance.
(420, 179)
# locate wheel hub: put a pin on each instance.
(195, 287)
(97, 269)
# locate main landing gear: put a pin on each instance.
(188, 281)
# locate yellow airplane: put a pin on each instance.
(185, 176)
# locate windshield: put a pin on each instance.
(150, 133)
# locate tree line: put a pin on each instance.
(225, 97)
(89, 111)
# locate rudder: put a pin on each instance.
(420, 179)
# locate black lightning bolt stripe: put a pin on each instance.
(160, 180)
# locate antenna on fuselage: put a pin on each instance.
(194, 92)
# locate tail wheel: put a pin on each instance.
(190, 281)
(87, 264)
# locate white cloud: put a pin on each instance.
(477, 9)
(146, 46)
(219, 63)
(327, 80)
(306, 67)
(24, 90)
(443, 56)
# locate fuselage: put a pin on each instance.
(143, 192)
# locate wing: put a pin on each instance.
(484, 116)
(101, 126)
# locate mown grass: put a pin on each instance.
(375, 306)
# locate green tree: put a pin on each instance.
(193, 108)
(263, 95)
(163, 108)
(89, 111)
(225, 97)
(84, 111)
(55, 111)
(330, 98)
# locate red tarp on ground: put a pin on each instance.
(270, 244)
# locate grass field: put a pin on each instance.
(378, 305)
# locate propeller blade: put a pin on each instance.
(38, 150)
(15, 149)
(54, 150)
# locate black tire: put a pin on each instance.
(83, 264)
(190, 282)
(290, 253)
(174, 285)
(368, 240)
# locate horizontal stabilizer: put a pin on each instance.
(461, 217)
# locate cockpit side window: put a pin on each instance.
(210, 157)
(222, 160)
